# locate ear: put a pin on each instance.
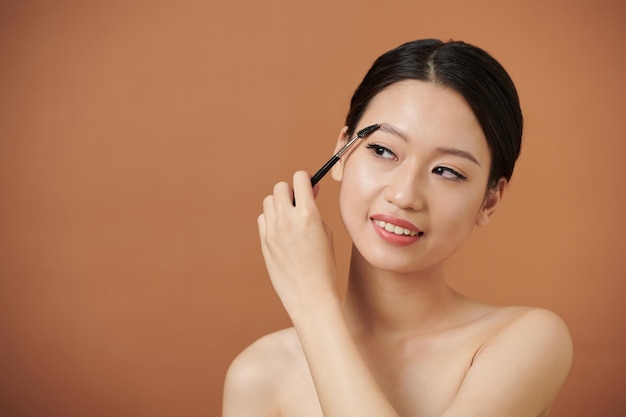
(492, 199)
(337, 169)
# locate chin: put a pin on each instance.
(401, 262)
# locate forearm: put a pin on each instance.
(344, 383)
(298, 253)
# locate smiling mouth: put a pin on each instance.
(398, 230)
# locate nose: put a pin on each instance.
(406, 190)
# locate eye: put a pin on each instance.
(448, 173)
(381, 152)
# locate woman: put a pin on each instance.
(401, 342)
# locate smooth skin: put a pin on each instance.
(401, 342)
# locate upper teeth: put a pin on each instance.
(395, 229)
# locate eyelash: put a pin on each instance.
(380, 150)
(457, 175)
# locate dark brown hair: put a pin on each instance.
(461, 67)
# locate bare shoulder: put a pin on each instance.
(522, 363)
(531, 329)
(535, 335)
(251, 380)
(265, 358)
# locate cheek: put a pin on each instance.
(458, 213)
(359, 188)
(359, 181)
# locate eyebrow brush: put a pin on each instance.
(361, 134)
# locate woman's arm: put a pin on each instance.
(344, 383)
(298, 253)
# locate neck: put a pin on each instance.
(383, 302)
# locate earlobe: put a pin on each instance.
(337, 170)
(492, 199)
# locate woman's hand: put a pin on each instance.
(297, 246)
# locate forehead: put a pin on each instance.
(426, 112)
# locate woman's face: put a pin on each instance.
(413, 190)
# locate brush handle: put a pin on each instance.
(323, 170)
(363, 133)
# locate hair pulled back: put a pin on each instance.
(466, 69)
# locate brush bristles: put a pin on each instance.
(366, 131)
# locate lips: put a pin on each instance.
(395, 230)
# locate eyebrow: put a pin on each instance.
(458, 152)
(441, 149)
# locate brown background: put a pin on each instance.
(138, 138)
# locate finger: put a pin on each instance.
(302, 189)
(283, 196)
(260, 221)
(268, 209)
